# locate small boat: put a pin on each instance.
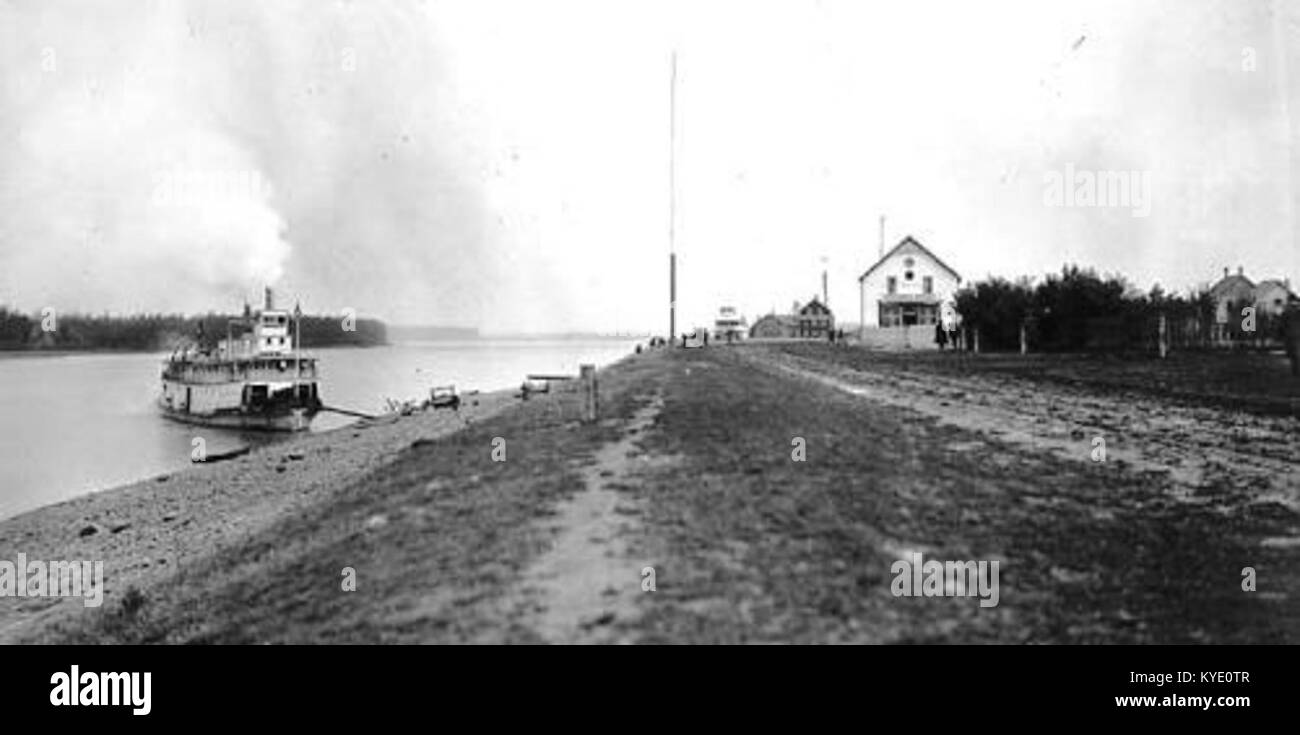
(254, 379)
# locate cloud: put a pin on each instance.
(504, 164)
(181, 156)
(123, 189)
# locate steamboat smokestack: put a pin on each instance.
(270, 301)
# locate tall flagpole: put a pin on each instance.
(672, 203)
(297, 348)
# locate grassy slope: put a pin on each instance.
(764, 548)
(1259, 382)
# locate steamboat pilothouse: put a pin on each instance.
(255, 378)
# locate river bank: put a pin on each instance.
(77, 424)
(155, 529)
(747, 494)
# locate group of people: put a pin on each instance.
(946, 334)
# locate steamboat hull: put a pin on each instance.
(268, 393)
(297, 419)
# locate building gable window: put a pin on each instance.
(891, 284)
(927, 284)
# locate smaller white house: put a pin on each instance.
(909, 285)
(729, 325)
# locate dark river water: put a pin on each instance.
(72, 424)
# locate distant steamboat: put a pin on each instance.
(254, 379)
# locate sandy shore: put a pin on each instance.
(145, 531)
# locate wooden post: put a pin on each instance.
(977, 340)
(590, 396)
(1024, 340)
(1164, 337)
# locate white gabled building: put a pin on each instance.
(909, 285)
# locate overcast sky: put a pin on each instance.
(505, 164)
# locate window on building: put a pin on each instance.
(891, 284)
(908, 275)
(927, 284)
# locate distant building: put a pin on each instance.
(909, 285)
(729, 325)
(813, 320)
(1234, 292)
(774, 326)
(1229, 290)
(1271, 296)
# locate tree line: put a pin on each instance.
(1079, 310)
(160, 332)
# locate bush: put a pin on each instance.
(1078, 310)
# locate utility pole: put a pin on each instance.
(826, 298)
(297, 348)
(672, 203)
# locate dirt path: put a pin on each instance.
(1207, 455)
(588, 580)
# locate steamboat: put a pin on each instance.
(255, 378)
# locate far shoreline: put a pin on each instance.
(26, 352)
(37, 352)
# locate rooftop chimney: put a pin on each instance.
(1241, 271)
(1225, 272)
